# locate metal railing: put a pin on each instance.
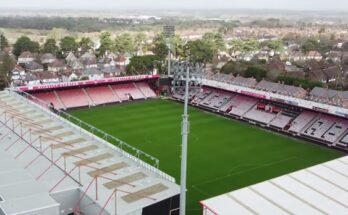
(126, 150)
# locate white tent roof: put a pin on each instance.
(321, 189)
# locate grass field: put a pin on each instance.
(224, 154)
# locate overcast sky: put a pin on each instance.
(341, 5)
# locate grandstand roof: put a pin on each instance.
(49, 155)
(321, 189)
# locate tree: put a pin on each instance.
(86, 44)
(177, 47)
(237, 45)
(6, 66)
(140, 41)
(219, 42)
(200, 51)
(216, 40)
(251, 45)
(68, 44)
(310, 44)
(124, 43)
(50, 46)
(160, 48)
(3, 42)
(246, 46)
(142, 64)
(276, 45)
(106, 44)
(321, 31)
(25, 44)
(256, 72)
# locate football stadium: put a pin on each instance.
(113, 146)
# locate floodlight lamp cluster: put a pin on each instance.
(179, 74)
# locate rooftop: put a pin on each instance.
(59, 156)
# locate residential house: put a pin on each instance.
(113, 71)
(332, 73)
(88, 57)
(71, 59)
(122, 60)
(88, 60)
(47, 58)
(93, 73)
(33, 67)
(106, 62)
(57, 66)
(76, 65)
(17, 75)
(90, 63)
(314, 55)
(44, 78)
(297, 56)
(25, 57)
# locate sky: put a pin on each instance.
(321, 5)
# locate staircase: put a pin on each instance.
(59, 100)
(90, 100)
(136, 86)
(115, 94)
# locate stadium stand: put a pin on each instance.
(201, 96)
(50, 97)
(126, 91)
(281, 121)
(261, 116)
(102, 95)
(74, 98)
(146, 90)
(91, 95)
(344, 141)
(302, 121)
(336, 131)
(240, 105)
(322, 124)
(323, 128)
(60, 168)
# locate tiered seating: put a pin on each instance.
(241, 104)
(201, 96)
(49, 97)
(336, 131)
(319, 127)
(146, 89)
(102, 95)
(344, 141)
(260, 116)
(220, 101)
(208, 100)
(281, 121)
(302, 121)
(123, 91)
(73, 98)
(224, 108)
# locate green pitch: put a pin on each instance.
(224, 154)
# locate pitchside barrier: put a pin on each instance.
(94, 133)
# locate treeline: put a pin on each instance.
(83, 24)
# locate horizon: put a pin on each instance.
(204, 5)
